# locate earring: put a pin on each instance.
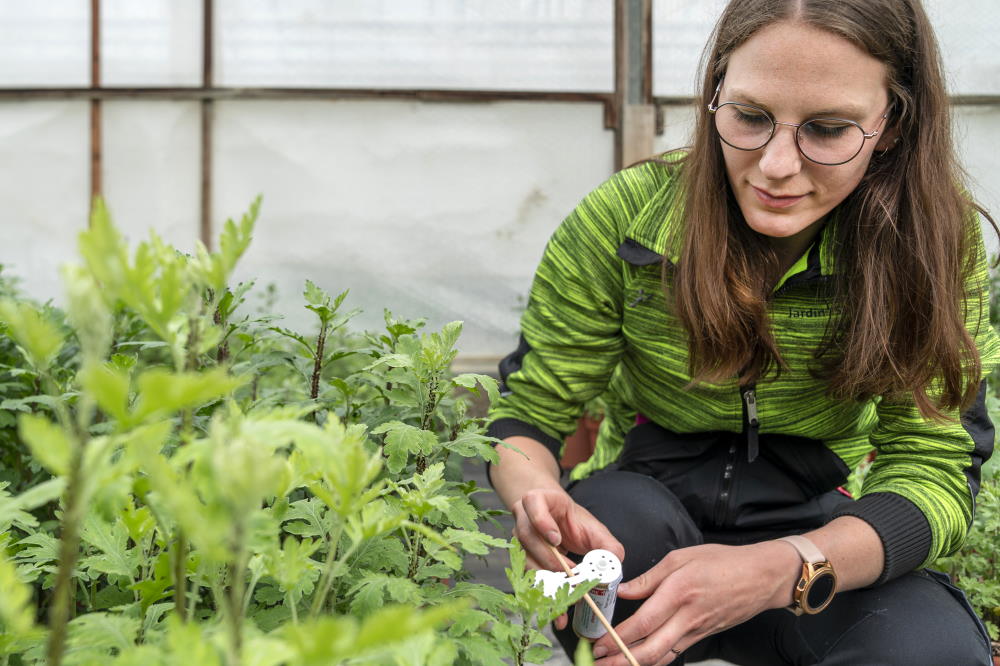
(889, 147)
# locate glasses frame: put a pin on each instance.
(713, 108)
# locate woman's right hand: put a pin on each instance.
(546, 516)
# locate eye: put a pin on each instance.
(827, 129)
(751, 117)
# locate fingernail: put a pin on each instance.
(554, 538)
(600, 651)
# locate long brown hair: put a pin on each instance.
(904, 242)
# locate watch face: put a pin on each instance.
(820, 590)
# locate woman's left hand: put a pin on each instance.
(698, 591)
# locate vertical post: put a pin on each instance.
(96, 184)
(206, 123)
(633, 81)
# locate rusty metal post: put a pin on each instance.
(636, 114)
(96, 183)
(206, 105)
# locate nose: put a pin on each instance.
(781, 157)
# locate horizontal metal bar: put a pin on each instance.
(199, 93)
(956, 100)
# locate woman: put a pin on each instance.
(805, 283)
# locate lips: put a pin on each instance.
(775, 200)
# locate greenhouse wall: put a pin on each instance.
(429, 208)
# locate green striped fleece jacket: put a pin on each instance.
(597, 323)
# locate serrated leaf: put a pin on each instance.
(38, 337)
(401, 440)
(471, 443)
(487, 597)
(373, 590)
(100, 633)
(538, 654)
(470, 621)
(473, 542)
(469, 380)
(386, 553)
(482, 651)
(111, 539)
(306, 518)
(47, 442)
(391, 360)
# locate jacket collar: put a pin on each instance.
(648, 239)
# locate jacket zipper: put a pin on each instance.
(726, 486)
(752, 422)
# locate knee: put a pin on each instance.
(639, 510)
(918, 622)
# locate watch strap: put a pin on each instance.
(807, 549)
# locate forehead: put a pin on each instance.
(802, 68)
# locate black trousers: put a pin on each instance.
(915, 620)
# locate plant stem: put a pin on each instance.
(69, 551)
(327, 578)
(415, 552)
(237, 570)
(324, 593)
(223, 352)
(318, 361)
(180, 576)
(427, 418)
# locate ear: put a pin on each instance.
(888, 139)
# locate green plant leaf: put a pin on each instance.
(401, 440)
(162, 392)
(37, 336)
(470, 380)
(17, 615)
(373, 590)
(111, 540)
(47, 441)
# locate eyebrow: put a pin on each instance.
(846, 111)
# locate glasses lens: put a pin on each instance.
(829, 140)
(744, 127)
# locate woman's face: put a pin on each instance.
(798, 72)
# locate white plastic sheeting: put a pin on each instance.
(477, 44)
(152, 149)
(44, 158)
(968, 33)
(428, 209)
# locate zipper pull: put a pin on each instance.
(753, 425)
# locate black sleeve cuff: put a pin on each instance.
(508, 427)
(903, 528)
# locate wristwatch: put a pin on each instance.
(818, 583)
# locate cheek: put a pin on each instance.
(737, 162)
(839, 182)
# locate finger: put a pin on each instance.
(592, 533)
(665, 645)
(647, 582)
(562, 621)
(536, 507)
(536, 548)
(649, 619)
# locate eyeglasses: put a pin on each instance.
(826, 141)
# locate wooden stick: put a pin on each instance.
(597, 611)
